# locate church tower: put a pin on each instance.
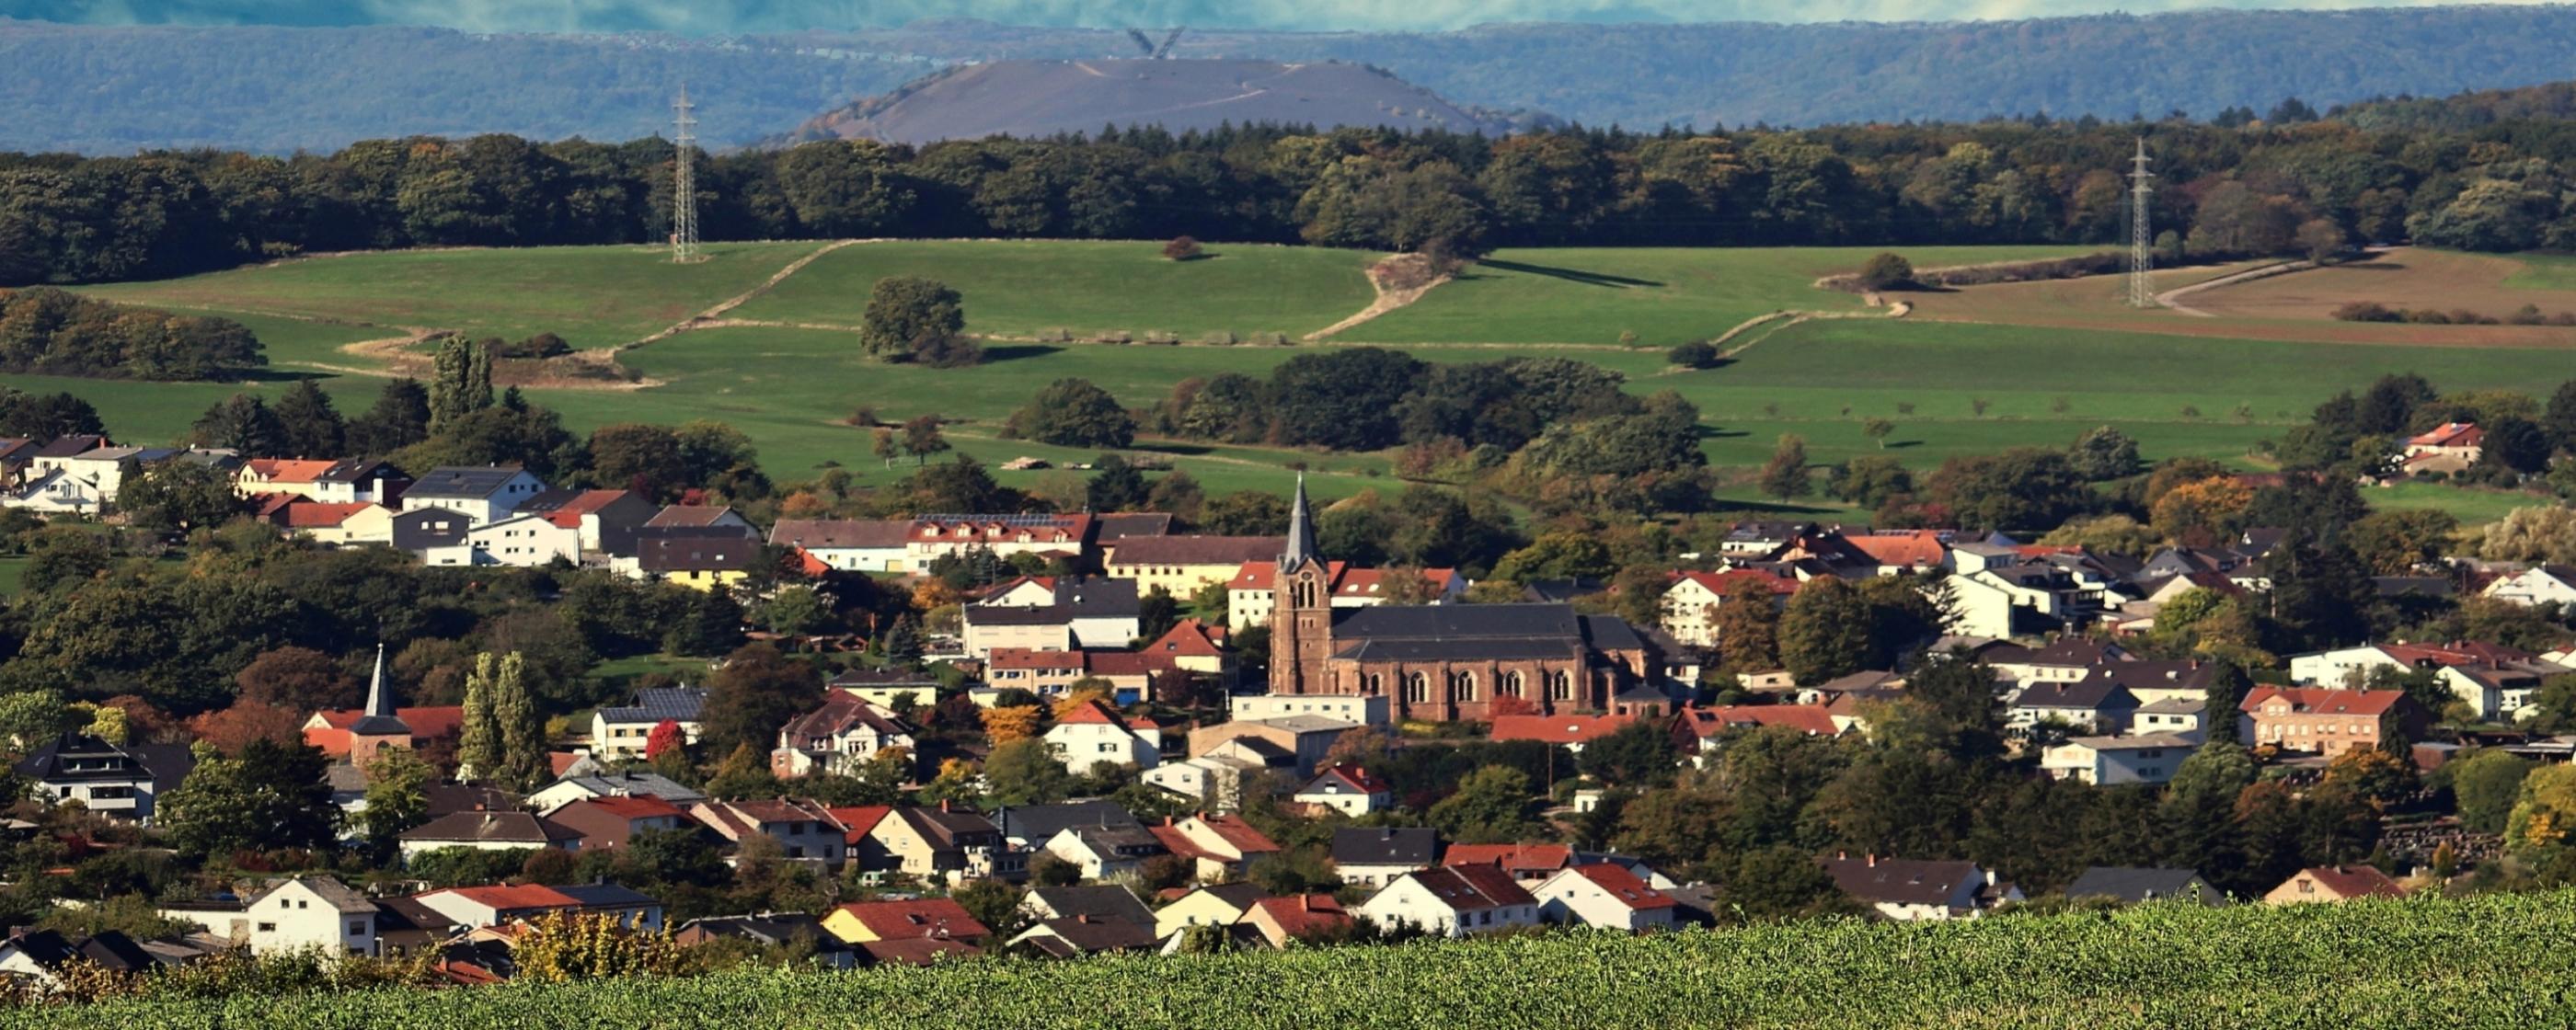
(379, 728)
(1301, 617)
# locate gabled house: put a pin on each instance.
(1700, 731)
(941, 843)
(1688, 609)
(2065, 659)
(628, 783)
(1048, 536)
(621, 731)
(893, 920)
(435, 535)
(1093, 734)
(1030, 826)
(1456, 901)
(701, 516)
(2327, 722)
(483, 907)
(1082, 936)
(1218, 846)
(1907, 889)
(1252, 594)
(837, 738)
(488, 831)
(345, 481)
(2110, 761)
(40, 957)
(772, 930)
(479, 496)
(2334, 883)
(1376, 856)
(2091, 706)
(1181, 565)
(339, 524)
(2540, 584)
(1349, 789)
(1105, 851)
(601, 521)
(289, 914)
(847, 545)
(887, 688)
(1054, 614)
(1223, 904)
(2448, 448)
(608, 822)
(1101, 903)
(120, 781)
(524, 542)
(1297, 919)
(804, 829)
(1604, 895)
(700, 557)
(2136, 886)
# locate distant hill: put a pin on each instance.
(109, 90)
(1043, 98)
(2462, 111)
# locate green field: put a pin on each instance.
(2544, 272)
(1021, 288)
(2493, 961)
(1665, 295)
(793, 388)
(591, 296)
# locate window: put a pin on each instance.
(357, 929)
(1462, 686)
(268, 927)
(1417, 687)
(1511, 685)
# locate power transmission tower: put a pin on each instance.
(684, 184)
(2140, 240)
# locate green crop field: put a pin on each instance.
(1026, 287)
(1665, 295)
(591, 296)
(2493, 961)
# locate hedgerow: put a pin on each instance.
(2491, 961)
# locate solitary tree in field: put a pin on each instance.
(1182, 248)
(921, 438)
(1785, 475)
(1877, 429)
(1887, 271)
(903, 310)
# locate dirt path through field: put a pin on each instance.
(2173, 298)
(1388, 299)
(712, 315)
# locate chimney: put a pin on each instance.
(1990, 877)
(1842, 855)
(1306, 902)
(1872, 859)
(943, 804)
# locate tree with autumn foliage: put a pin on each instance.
(2200, 512)
(232, 729)
(562, 947)
(1003, 725)
(298, 678)
(664, 736)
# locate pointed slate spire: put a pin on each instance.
(1301, 531)
(380, 719)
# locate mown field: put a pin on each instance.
(2049, 360)
(2496, 961)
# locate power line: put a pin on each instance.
(2140, 295)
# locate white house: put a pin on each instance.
(478, 907)
(524, 541)
(1604, 895)
(622, 731)
(1455, 901)
(1909, 890)
(629, 783)
(290, 915)
(1688, 609)
(481, 495)
(2541, 584)
(1105, 851)
(487, 831)
(1044, 613)
(1093, 734)
(2109, 761)
(1348, 789)
(849, 545)
(846, 732)
(1376, 855)
(59, 493)
(1356, 709)
(2187, 717)
(113, 780)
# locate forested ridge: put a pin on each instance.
(2279, 183)
(274, 90)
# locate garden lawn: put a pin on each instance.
(1021, 288)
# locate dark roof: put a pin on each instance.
(360, 470)
(770, 928)
(475, 483)
(1196, 550)
(633, 781)
(2092, 693)
(1069, 937)
(394, 915)
(654, 704)
(2077, 651)
(606, 895)
(1903, 881)
(81, 758)
(1132, 524)
(696, 548)
(446, 798)
(1483, 632)
(2416, 586)
(116, 951)
(47, 948)
(2135, 885)
(491, 827)
(430, 527)
(1418, 846)
(2156, 675)
(814, 534)
(1076, 597)
(1036, 823)
(1106, 902)
(882, 678)
(943, 826)
(71, 446)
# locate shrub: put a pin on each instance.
(1183, 248)
(1695, 354)
(2366, 311)
(1887, 271)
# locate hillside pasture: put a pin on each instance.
(590, 296)
(1665, 295)
(1021, 288)
(2407, 278)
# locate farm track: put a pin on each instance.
(708, 317)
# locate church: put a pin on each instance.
(1439, 663)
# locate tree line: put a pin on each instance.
(2257, 188)
(49, 332)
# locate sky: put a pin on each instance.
(708, 17)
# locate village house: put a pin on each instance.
(289, 914)
(1093, 733)
(1303, 739)
(1100, 902)
(1218, 847)
(2063, 660)
(602, 522)
(119, 781)
(1101, 852)
(803, 829)
(342, 481)
(1604, 895)
(1699, 731)
(2537, 585)
(523, 541)
(847, 545)
(2450, 448)
(619, 732)
(939, 844)
(480, 496)
(1222, 904)
(2328, 722)
(2181, 716)
(772, 930)
(1355, 709)
(342, 524)
(487, 831)
(2088, 706)
(1046, 536)
(608, 822)
(1907, 890)
(2136, 886)
(1082, 936)
(1047, 613)
(1348, 789)
(837, 738)
(1181, 565)
(1376, 856)
(700, 557)
(1688, 609)
(1455, 901)
(2110, 761)
(887, 688)
(861, 922)
(2333, 883)
(434, 535)
(1297, 918)
(481, 907)
(623, 783)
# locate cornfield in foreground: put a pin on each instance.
(2499, 961)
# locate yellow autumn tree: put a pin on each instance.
(1003, 725)
(2542, 816)
(561, 948)
(2198, 512)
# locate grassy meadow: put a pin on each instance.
(790, 376)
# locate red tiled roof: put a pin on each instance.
(1180, 844)
(302, 514)
(1359, 778)
(1709, 722)
(860, 819)
(514, 898)
(1516, 859)
(1305, 914)
(1238, 834)
(1189, 638)
(1624, 886)
(1031, 658)
(634, 806)
(1471, 887)
(1072, 529)
(2325, 701)
(333, 735)
(568, 516)
(1098, 713)
(1727, 583)
(933, 918)
(2450, 434)
(558, 762)
(1193, 550)
(288, 470)
(1918, 548)
(1558, 729)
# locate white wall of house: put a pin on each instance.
(1364, 710)
(2112, 761)
(2332, 668)
(1082, 745)
(1568, 897)
(1408, 901)
(290, 917)
(2532, 586)
(523, 542)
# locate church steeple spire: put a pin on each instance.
(380, 719)
(1301, 531)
